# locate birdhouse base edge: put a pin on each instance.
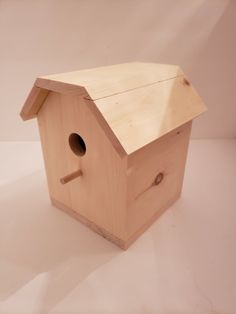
(121, 243)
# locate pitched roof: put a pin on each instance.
(139, 101)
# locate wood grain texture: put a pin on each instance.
(109, 80)
(71, 176)
(135, 103)
(134, 122)
(61, 87)
(33, 102)
(145, 201)
(143, 115)
(145, 198)
(115, 197)
(90, 224)
(100, 82)
(100, 193)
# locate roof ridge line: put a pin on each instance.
(134, 88)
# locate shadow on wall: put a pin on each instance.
(37, 239)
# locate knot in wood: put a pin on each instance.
(186, 82)
(159, 178)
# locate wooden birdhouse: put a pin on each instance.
(115, 142)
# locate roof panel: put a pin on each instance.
(139, 102)
(140, 116)
(105, 81)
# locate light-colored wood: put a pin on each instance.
(33, 102)
(99, 194)
(109, 80)
(123, 244)
(71, 176)
(134, 122)
(145, 198)
(101, 82)
(40, 91)
(90, 224)
(143, 115)
(61, 87)
(93, 201)
(106, 128)
(135, 103)
(149, 221)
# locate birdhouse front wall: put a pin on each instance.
(99, 195)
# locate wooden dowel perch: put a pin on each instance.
(71, 176)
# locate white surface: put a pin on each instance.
(185, 263)
(51, 36)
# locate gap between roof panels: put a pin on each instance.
(131, 89)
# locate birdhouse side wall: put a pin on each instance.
(98, 197)
(155, 178)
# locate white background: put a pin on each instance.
(45, 37)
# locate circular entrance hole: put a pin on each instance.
(77, 144)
